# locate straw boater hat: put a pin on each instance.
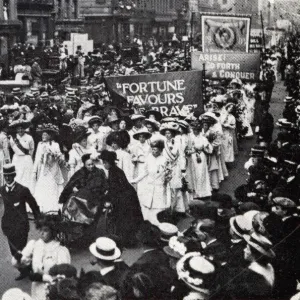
(105, 249)
(49, 128)
(143, 131)
(167, 231)
(9, 169)
(171, 126)
(260, 244)
(16, 91)
(19, 123)
(94, 119)
(236, 225)
(289, 99)
(196, 271)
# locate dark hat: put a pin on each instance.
(157, 115)
(160, 144)
(257, 151)
(80, 133)
(9, 169)
(109, 156)
(153, 123)
(85, 157)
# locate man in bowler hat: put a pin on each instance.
(15, 225)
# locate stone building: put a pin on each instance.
(9, 26)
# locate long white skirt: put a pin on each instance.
(47, 193)
(24, 170)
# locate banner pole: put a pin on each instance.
(263, 30)
(204, 83)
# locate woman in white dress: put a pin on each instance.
(80, 147)
(176, 160)
(4, 152)
(98, 134)
(22, 145)
(197, 171)
(229, 123)
(154, 194)
(139, 153)
(47, 169)
(42, 255)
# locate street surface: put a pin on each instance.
(81, 258)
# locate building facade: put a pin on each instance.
(37, 19)
(68, 18)
(9, 27)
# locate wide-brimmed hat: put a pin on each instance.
(15, 293)
(105, 249)
(80, 133)
(155, 113)
(284, 123)
(196, 124)
(9, 169)
(171, 126)
(135, 117)
(196, 271)
(143, 131)
(168, 120)
(153, 122)
(236, 81)
(183, 124)
(167, 231)
(19, 123)
(16, 91)
(260, 243)
(87, 106)
(49, 128)
(256, 151)
(94, 119)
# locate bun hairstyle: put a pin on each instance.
(85, 157)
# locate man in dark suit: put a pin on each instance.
(107, 255)
(15, 225)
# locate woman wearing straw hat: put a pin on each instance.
(22, 145)
(47, 169)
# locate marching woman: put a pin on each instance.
(80, 147)
(154, 190)
(228, 123)
(4, 151)
(172, 152)
(22, 145)
(139, 152)
(47, 171)
(126, 211)
(42, 255)
(212, 130)
(197, 171)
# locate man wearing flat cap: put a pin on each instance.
(15, 225)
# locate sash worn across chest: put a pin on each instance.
(19, 145)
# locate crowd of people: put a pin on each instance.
(73, 150)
